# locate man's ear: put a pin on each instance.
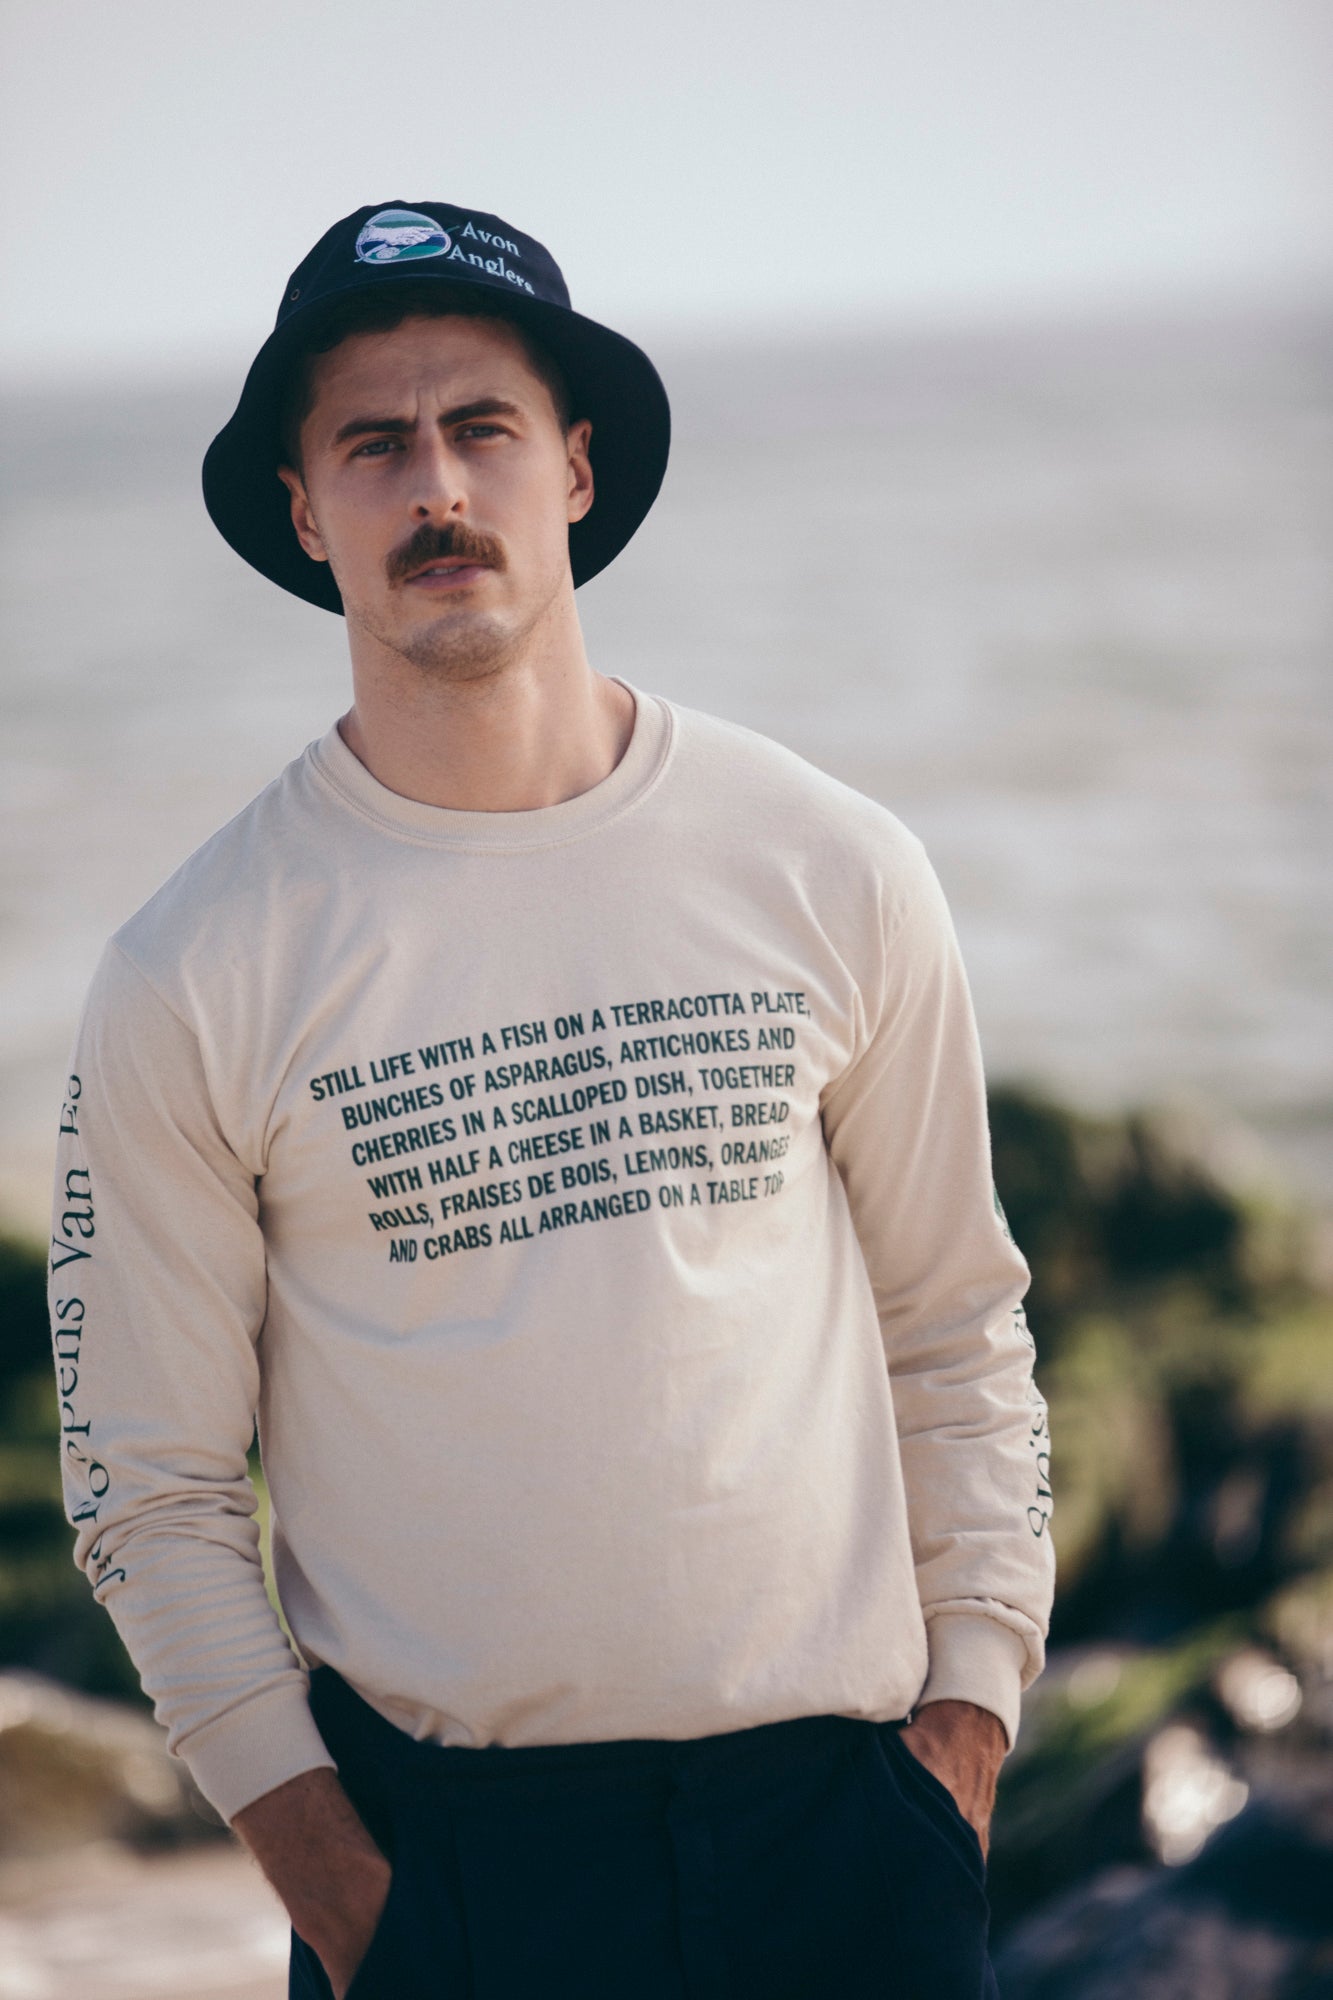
(303, 519)
(580, 469)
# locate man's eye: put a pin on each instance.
(481, 430)
(375, 448)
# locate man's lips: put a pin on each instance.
(448, 573)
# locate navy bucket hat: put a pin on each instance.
(489, 264)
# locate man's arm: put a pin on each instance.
(158, 1292)
(907, 1128)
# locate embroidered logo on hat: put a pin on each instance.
(400, 232)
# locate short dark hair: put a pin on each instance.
(379, 311)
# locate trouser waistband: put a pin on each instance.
(357, 1732)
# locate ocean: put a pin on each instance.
(1060, 596)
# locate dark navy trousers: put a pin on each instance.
(815, 1859)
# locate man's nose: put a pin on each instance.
(437, 483)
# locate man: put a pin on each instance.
(558, 1117)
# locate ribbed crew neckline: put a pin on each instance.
(505, 832)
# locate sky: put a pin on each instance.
(704, 167)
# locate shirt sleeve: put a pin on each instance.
(157, 1294)
(906, 1125)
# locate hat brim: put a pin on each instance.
(611, 382)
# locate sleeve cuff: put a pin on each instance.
(979, 1660)
(254, 1748)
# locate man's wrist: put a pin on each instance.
(966, 1729)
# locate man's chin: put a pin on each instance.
(457, 641)
(458, 656)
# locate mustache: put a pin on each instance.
(431, 544)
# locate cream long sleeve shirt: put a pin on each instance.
(594, 1207)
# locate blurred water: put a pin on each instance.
(1062, 598)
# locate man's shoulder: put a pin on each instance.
(764, 784)
(218, 900)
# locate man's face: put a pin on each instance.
(438, 483)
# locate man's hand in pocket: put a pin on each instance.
(964, 1747)
(314, 1848)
